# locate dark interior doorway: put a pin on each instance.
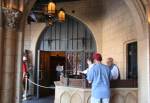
(132, 66)
(47, 66)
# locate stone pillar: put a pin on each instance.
(0, 53)
(1, 38)
(11, 19)
(18, 90)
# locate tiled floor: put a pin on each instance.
(41, 100)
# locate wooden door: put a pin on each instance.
(46, 73)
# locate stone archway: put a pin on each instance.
(143, 39)
(39, 32)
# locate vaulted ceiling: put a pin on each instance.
(39, 3)
(46, 1)
(145, 1)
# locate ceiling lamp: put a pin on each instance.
(51, 7)
(61, 15)
(53, 14)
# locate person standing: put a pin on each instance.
(90, 65)
(59, 71)
(25, 77)
(99, 75)
(114, 69)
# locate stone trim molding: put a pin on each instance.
(83, 95)
(12, 17)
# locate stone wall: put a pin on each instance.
(118, 29)
(0, 54)
(115, 12)
(32, 33)
(89, 12)
(27, 38)
(80, 95)
(112, 26)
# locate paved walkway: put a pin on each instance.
(41, 100)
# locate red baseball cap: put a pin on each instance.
(97, 56)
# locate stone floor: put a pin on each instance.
(41, 100)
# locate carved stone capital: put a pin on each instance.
(11, 17)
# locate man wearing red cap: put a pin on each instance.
(99, 75)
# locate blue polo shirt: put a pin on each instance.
(100, 76)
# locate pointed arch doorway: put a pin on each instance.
(67, 44)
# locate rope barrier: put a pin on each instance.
(40, 85)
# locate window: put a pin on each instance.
(71, 37)
(132, 67)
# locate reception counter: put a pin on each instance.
(72, 94)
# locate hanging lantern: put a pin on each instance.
(61, 15)
(51, 7)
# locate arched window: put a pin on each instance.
(71, 37)
(67, 44)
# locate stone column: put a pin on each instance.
(1, 38)
(0, 53)
(11, 20)
(18, 90)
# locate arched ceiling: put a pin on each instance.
(145, 1)
(46, 1)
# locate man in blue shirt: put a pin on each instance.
(99, 75)
(114, 69)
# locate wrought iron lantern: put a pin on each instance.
(53, 14)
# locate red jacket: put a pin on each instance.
(24, 68)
